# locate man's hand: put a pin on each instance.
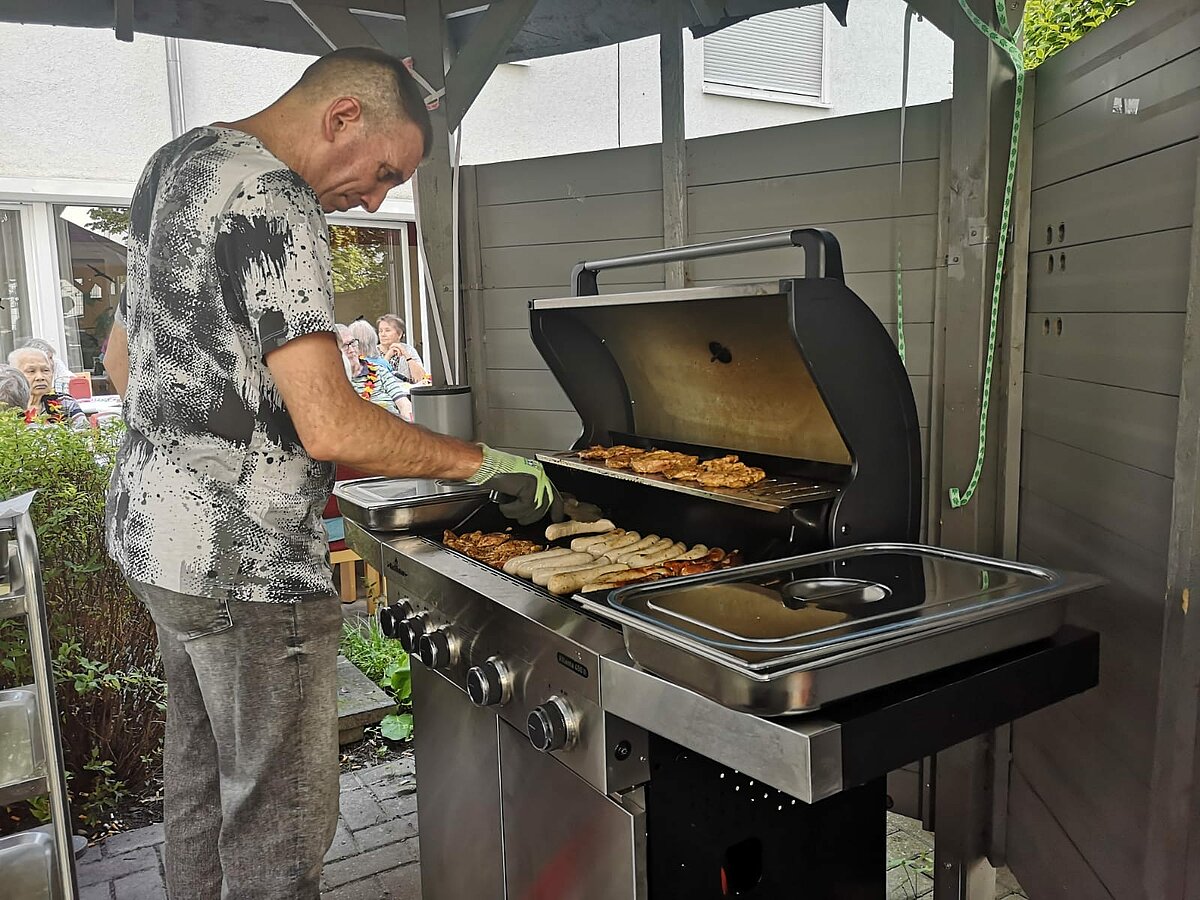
(523, 481)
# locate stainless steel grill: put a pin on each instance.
(645, 742)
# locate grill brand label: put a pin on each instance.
(573, 664)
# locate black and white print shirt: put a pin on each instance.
(213, 494)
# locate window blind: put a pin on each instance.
(777, 51)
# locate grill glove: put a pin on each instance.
(565, 506)
(526, 493)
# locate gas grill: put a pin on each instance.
(724, 734)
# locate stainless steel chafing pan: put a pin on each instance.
(407, 504)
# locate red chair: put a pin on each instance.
(80, 386)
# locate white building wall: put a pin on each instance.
(91, 107)
(609, 97)
(78, 104)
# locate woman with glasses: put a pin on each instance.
(372, 380)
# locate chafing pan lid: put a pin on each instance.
(790, 610)
(389, 493)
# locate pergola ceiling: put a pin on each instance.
(553, 26)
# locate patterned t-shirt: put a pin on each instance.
(213, 494)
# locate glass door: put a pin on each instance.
(15, 323)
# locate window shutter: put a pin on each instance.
(777, 51)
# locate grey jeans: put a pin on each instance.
(251, 756)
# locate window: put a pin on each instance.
(14, 284)
(367, 271)
(91, 259)
(775, 56)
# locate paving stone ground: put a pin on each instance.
(375, 851)
(373, 857)
(910, 859)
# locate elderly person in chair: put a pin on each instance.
(372, 380)
(14, 389)
(45, 403)
(400, 356)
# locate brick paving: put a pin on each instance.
(376, 848)
(910, 856)
(373, 856)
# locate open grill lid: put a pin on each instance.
(798, 377)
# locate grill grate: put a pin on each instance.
(770, 494)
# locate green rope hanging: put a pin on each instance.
(1006, 43)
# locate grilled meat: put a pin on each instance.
(660, 461)
(492, 548)
(723, 472)
(598, 452)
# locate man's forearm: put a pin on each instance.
(116, 359)
(374, 441)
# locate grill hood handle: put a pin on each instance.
(821, 250)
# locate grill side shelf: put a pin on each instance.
(770, 494)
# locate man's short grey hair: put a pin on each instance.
(38, 344)
(368, 340)
(379, 81)
(15, 356)
(14, 388)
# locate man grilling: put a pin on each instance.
(237, 408)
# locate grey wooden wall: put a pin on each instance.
(536, 218)
(1112, 205)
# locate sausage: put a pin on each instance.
(566, 529)
(513, 566)
(585, 541)
(569, 582)
(658, 546)
(614, 542)
(656, 556)
(556, 562)
(646, 542)
(542, 576)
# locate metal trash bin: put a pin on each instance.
(445, 409)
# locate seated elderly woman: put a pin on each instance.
(45, 404)
(14, 389)
(400, 356)
(373, 381)
(62, 374)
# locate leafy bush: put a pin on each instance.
(383, 661)
(1051, 25)
(111, 694)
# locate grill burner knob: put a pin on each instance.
(489, 684)
(553, 726)
(391, 617)
(438, 649)
(410, 630)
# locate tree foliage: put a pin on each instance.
(358, 260)
(1052, 25)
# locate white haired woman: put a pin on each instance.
(62, 374)
(400, 356)
(45, 404)
(373, 380)
(14, 389)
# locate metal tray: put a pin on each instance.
(921, 609)
(407, 504)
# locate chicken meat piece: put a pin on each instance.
(598, 452)
(660, 460)
(620, 461)
(732, 478)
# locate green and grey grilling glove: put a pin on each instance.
(524, 489)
